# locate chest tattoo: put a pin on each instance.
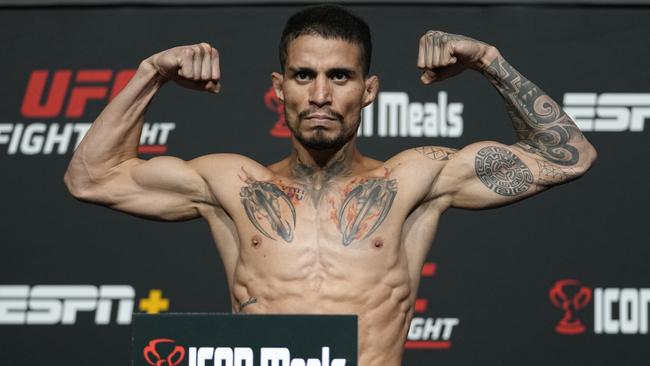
(365, 207)
(269, 209)
(358, 207)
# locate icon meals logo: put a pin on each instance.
(570, 304)
(66, 94)
(616, 310)
(163, 352)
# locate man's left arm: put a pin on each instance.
(550, 149)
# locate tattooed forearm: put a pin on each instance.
(266, 206)
(542, 126)
(365, 207)
(436, 153)
(502, 171)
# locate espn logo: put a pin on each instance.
(59, 304)
(610, 112)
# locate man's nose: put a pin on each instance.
(320, 92)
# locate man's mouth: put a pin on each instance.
(316, 116)
(321, 117)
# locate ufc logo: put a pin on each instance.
(608, 111)
(86, 85)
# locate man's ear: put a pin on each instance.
(277, 80)
(371, 89)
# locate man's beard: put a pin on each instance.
(318, 140)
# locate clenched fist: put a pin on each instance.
(443, 55)
(194, 66)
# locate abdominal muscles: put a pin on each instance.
(369, 279)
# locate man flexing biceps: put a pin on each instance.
(327, 229)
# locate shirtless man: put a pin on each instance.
(328, 230)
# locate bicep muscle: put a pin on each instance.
(490, 174)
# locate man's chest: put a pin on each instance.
(347, 210)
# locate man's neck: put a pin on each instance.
(317, 167)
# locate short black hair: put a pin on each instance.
(330, 22)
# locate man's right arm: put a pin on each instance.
(105, 168)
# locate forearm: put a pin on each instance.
(115, 134)
(542, 127)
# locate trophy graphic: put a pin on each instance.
(569, 296)
(163, 352)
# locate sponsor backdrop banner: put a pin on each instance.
(560, 278)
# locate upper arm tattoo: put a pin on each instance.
(436, 153)
(502, 171)
(543, 128)
(266, 206)
(550, 174)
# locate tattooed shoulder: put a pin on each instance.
(436, 152)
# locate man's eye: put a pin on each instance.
(302, 76)
(340, 76)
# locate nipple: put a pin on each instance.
(378, 243)
(256, 241)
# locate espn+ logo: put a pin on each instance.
(616, 310)
(66, 94)
(61, 304)
(164, 351)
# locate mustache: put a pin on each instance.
(326, 111)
